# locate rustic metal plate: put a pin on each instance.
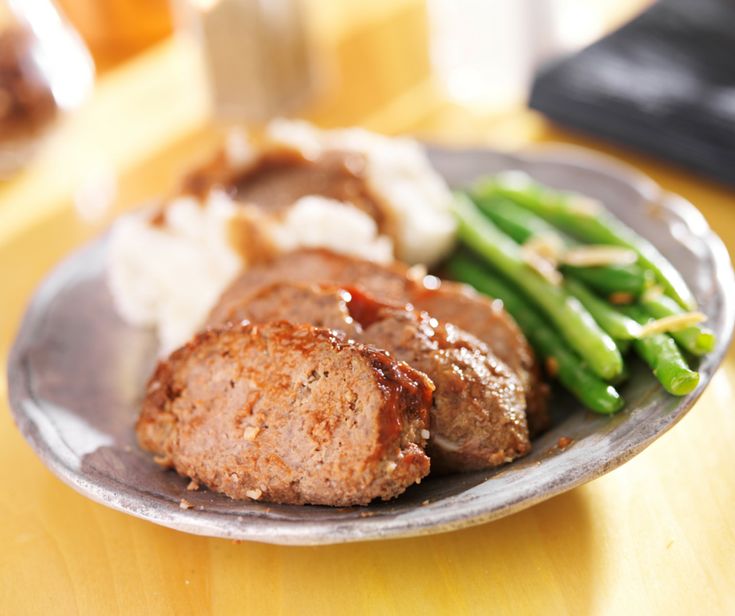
(76, 376)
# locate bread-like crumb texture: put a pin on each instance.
(477, 416)
(447, 301)
(330, 415)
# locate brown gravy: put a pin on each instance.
(280, 177)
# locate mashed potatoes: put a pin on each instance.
(168, 274)
(318, 222)
(399, 172)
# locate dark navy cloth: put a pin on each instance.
(664, 83)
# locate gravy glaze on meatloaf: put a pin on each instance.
(288, 414)
(447, 301)
(477, 416)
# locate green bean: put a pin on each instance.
(696, 339)
(660, 352)
(608, 318)
(608, 280)
(574, 322)
(515, 220)
(571, 371)
(596, 226)
(522, 225)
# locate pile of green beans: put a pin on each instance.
(575, 325)
(522, 225)
(592, 227)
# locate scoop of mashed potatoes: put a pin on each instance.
(398, 172)
(167, 271)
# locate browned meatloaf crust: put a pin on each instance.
(486, 319)
(477, 418)
(447, 301)
(288, 414)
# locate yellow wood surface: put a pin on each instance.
(656, 536)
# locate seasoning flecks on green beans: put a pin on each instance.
(522, 225)
(586, 220)
(696, 339)
(660, 352)
(572, 318)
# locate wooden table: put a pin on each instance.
(655, 536)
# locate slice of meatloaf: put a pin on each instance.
(477, 418)
(447, 301)
(288, 414)
(385, 282)
(312, 304)
(486, 319)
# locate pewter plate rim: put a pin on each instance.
(437, 517)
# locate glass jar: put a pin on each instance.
(45, 70)
(257, 53)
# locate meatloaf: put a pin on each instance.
(486, 319)
(447, 301)
(477, 418)
(288, 414)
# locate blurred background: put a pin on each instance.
(481, 53)
(90, 90)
